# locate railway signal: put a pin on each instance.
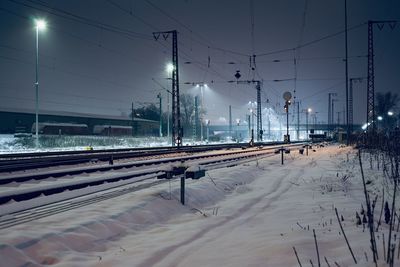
(287, 96)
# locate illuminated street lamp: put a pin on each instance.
(40, 25)
(169, 68)
(380, 118)
(390, 113)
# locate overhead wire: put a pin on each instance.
(80, 19)
(311, 42)
(205, 41)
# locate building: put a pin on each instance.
(56, 122)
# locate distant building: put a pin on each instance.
(70, 123)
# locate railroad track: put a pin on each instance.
(41, 201)
(27, 161)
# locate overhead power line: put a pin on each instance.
(311, 42)
(204, 41)
(76, 18)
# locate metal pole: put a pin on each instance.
(298, 120)
(208, 131)
(160, 97)
(168, 117)
(333, 114)
(347, 77)
(249, 123)
(37, 89)
(183, 190)
(307, 125)
(202, 109)
(132, 118)
(287, 122)
(329, 112)
(252, 121)
(230, 121)
(259, 115)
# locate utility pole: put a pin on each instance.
(160, 98)
(196, 117)
(132, 115)
(176, 114)
(249, 123)
(371, 71)
(168, 109)
(347, 76)
(350, 111)
(333, 113)
(230, 120)
(298, 120)
(259, 118)
(307, 124)
(329, 111)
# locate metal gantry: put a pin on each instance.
(176, 114)
(371, 71)
(259, 116)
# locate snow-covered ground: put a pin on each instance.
(248, 215)
(11, 144)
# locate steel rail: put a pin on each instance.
(65, 205)
(18, 162)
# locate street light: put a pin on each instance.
(380, 118)
(169, 68)
(40, 25)
(390, 113)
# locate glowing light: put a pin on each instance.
(390, 113)
(170, 67)
(380, 118)
(365, 126)
(309, 110)
(40, 24)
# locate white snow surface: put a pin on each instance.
(248, 215)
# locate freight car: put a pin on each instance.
(112, 130)
(61, 128)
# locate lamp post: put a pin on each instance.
(39, 25)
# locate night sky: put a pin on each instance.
(99, 56)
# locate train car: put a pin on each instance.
(112, 130)
(53, 128)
